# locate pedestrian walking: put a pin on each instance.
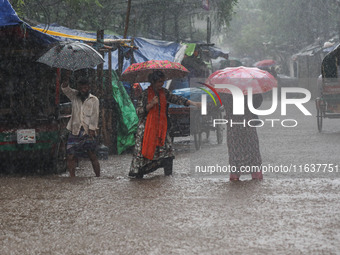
(153, 148)
(83, 125)
(242, 140)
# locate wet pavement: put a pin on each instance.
(294, 212)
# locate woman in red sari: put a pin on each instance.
(153, 148)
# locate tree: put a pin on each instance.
(160, 19)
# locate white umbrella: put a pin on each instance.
(72, 56)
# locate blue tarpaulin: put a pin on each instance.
(147, 48)
(8, 18)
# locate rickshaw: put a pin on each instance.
(328, 101)
(186, 121)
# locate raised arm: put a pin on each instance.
(176, 99)
(70, 93)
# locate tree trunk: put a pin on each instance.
(163, 24)
(176, 27)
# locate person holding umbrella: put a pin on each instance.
(267, 65)
(83, 125)
(242, 140)
(153, 148)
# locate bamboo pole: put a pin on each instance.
(208, 30)
(99, 90)
(57, 88)
(112, 132)
(109, 89)
(100, 67)
(127, 18)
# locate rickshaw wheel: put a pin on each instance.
(207, 134)
(319, 119)
(197, 132)
(319, 114)
(219, 134)
(198, 140)
(219, 130)
(59, 159)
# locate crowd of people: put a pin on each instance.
(153, 145)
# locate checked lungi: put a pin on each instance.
(80, 144)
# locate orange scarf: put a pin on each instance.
(156, 125)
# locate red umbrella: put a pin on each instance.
(243, 77)
(139, 72)
(265, 63)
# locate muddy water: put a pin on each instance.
(168, 215)
(182, 214)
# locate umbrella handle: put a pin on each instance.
(68, 73)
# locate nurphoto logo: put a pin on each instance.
(238, 105)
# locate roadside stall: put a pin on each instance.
(30, 132)
(33, 110)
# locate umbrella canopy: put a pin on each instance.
(139, 72)
(72, 56)
(265, 63)
(243, 77)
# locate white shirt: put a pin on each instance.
(84, 114)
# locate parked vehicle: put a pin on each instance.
(328, 102)
(186, 121)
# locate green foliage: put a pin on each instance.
(160, 19)
(19, 5)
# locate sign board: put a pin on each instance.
(26, 136)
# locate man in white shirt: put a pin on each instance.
(83, 125)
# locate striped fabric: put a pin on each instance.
(79, 144)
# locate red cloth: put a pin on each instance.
(155, 126)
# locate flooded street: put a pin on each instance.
(187, 213)
(77, 72)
